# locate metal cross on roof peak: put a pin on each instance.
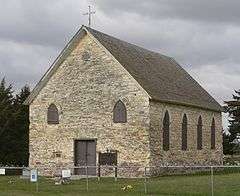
(89, 13)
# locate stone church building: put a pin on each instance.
(104, 95)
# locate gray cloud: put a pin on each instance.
(32, 34)
(50, 23)
(23, 63)
(220, 11)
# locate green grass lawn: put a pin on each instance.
(224, 184)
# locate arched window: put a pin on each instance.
(199, 133)
(213, 134)
(119, 113)
(166, 138)
(184, 132)
(52, 115)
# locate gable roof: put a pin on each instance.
(160, 76)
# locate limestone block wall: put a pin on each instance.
(85, 92)
(175, 155)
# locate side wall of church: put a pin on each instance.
(85, 92)
(175, 155)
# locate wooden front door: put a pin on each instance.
(85, 155)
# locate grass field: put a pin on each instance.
(224, 184)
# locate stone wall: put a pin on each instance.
(175, 155)
(85, 91)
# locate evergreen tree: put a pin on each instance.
(20, 127)
(6, 110)
(13, 126)
(227, 145)
(233, 108)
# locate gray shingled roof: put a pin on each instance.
(161, 76)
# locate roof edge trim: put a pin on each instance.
(187, 105)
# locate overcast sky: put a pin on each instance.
(203, 36)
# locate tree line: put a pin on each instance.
(14, 126)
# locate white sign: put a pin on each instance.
(2, 171)
(33, 175)
(66, 173)
(25, 173)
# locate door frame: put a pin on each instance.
(84, 139)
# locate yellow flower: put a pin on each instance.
(124, 188)
(128, 187)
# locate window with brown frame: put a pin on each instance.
(52, 115)
(119, 112)
(166, 136)
(184, 132)
(199, 133)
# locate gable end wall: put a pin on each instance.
(85, 93)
